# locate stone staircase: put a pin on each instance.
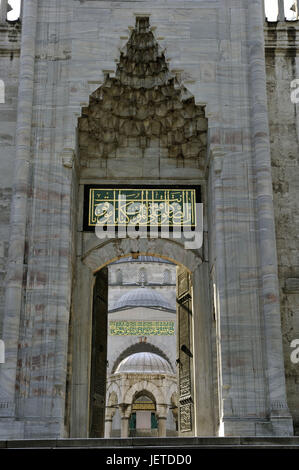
(169, 443)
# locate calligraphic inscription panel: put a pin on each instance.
(186, 417)
(143, 406)
(141, 328)
(147, 207)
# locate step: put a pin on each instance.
(161, 443)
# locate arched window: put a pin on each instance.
(281, 10)
(166, 277)
(119, 277)
(143, 418)
(291, 10)
(142, 278)
(2, 352)
(2, 92)
(13, 10)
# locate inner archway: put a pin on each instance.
(141, 347)
(143, 419)
(205, 412)
(136, 348)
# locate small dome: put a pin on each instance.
(144, 363)
(142, 297)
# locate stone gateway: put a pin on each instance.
(170, 96)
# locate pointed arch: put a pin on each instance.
(14, 10)
(113, 389)
(171, 392)
(142, 276)
(138, 347)
(166, 276)
(143, 107)
(98, 255)
(2, 352)
(144, 386)
(119, 276)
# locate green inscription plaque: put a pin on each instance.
(145, 207)
(141, 328)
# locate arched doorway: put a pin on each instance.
(143, 420)
(199, 353)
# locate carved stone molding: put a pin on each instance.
(215, 158)
(143, 106)
(68, 157)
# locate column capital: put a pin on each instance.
(162, 411)
(108, 419)
(125, 410)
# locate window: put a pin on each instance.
(132, 422)
(2, 92)
(2, 352)
(290, 10)
(14, 12)
(154, 421)
(166, 277)
(142, 278)
(119, 277)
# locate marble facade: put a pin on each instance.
(236, 70)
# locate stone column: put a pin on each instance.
(217, 156)
(162, 416)
(203, 353)
(18, 220)
(162, 426)
(81, 352)
(22, 9)
(270, 305)
(281, 15)
(108, 427)
(124, 427)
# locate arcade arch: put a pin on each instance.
(93, 262)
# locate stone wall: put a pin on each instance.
(282, 68)
(69, 48)
(9, 71)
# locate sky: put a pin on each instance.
(14, 14)
(271, 9)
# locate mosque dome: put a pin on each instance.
(142, 297)
(144, 363)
